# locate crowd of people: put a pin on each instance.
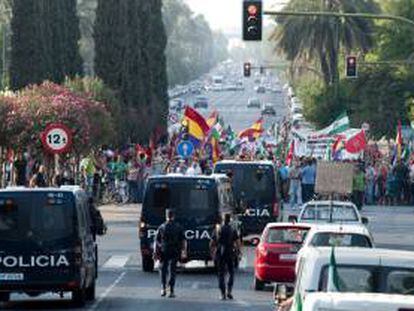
(374, 183)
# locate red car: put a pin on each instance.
(276, 253)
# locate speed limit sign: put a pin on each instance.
(57, 138)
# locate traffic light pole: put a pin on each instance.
(338, 16)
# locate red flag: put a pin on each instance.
(291, 153)
(356, 143)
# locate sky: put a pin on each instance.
(225, 15)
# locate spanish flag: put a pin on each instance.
(197, 127)
(254, 131)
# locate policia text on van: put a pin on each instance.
(48, 243)
(198, 204)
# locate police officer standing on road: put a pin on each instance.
(170, 245)
(225, 246)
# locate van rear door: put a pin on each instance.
(37, 233)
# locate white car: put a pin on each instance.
(343, 235)
(330, 212)
(357, 302)
(338, 235)
(358, 270)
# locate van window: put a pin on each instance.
(323, 212)
(36, 216)
(357, 279)
(186, 198)
(251, 182)
(400, 282)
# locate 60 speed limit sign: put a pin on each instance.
(57, 138)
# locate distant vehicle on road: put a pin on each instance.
(198, 203)
(269, 109)
(261, 89)
(201, 102)
(217, 83)
(256, 191)
(254, 103)
(276, 253)
(48, 243)
(330, 212)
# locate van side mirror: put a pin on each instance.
(365, 220)
(293, 218)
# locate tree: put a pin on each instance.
(45, 35)
(193, 48)
(130, 45)
(314, 38)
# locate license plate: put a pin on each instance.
(287, 257)
(11, 277)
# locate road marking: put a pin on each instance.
(106, 292)
(116, 262)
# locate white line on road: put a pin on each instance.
(116, 262)
(107, 291)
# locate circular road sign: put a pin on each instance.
(185, 149)
(57, 138)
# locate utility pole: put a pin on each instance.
(337, 16)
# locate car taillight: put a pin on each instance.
(262, 250)
(275, 209)
(78, 250)
(142, 228)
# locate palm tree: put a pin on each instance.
(314, 38)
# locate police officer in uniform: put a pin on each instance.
(170, 246)
(225, 245)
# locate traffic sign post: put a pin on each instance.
(57, 138)
(185, 149)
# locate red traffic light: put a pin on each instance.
(351, 67)
(252, 9)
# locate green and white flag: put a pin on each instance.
(333, 277)
(297, 303)
(340, 125)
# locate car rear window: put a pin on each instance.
(355, 279)
(286, 235)
(36, 216)
(323, 212)
(340, 239)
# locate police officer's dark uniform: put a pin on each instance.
(170, 243)
(225, 242)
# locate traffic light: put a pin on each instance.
(247, 69)
(252, 20)
(351, 67)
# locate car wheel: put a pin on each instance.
(79, 297)
(147, 264)
(258, 285)
(91, 292)
(4, 297)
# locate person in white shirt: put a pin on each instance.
(194, 169)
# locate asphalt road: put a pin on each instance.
(123, 286)
(232, 105)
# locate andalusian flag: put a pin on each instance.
(254, 131)
(212, 119)
(333, 278)
(297, 303)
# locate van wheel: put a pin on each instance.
(4, 297)
(147, 264)
(90, 292)
(79, 297)
(258, 285)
